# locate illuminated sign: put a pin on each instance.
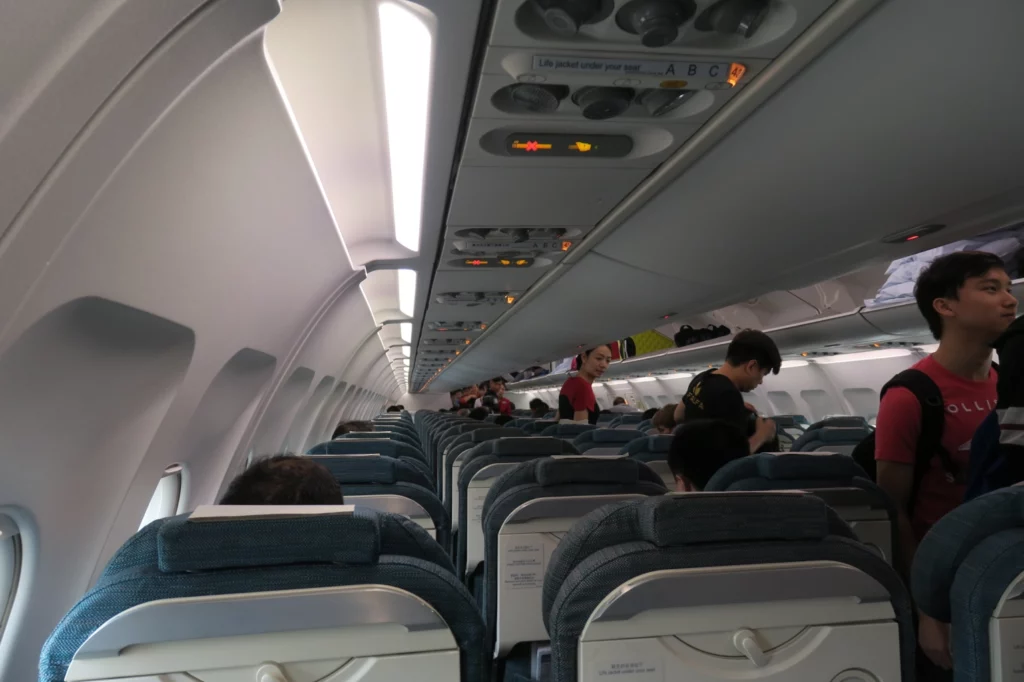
(493, 263)
(736, 72)
(559, 144)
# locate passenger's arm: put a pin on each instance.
(763, 432)
(897, 480)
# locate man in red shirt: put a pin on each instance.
(965, 297)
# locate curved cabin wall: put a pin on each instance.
(173, 291)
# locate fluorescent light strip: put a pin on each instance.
(641, 380)
(680, 375)
(405, 329)
(406, 350)
(615, 383)
(407, 55)
(789, 364)
(857, 357)
(407, 292)
(928, 348)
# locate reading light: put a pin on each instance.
(407, 52)
(407, 292)
(405, 329)
(869, 355)
(789, 364)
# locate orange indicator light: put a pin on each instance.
(736, 72)
(506, 262)
(477, 261)
(510, 299)
(530, 145)
(566, 246)
(522, 261)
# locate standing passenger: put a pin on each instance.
(965, 298)
(717, 394)
(576, 400)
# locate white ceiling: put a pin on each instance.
(908, 118)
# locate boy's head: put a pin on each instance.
(284, 479)
(752, 355)
(619, 401)
(968, 290)
(702, 447)
(664, 419)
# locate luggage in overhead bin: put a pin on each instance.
(687, 335)
(647, 342)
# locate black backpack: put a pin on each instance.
(929, 443)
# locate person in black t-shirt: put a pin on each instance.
(716, 394)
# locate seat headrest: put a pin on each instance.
(357, 469)
(659, 443)
(348, 446)
(344, 536)
(615, 435)
(539, 447)
(843, 434)
(480, 435)
(707, 518)
(815, 467)
(586, 470)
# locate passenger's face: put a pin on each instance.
(753, 376)
(597, 362)
(985, 305)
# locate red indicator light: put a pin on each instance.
(913, 237)
(476, 262)
(566, 246)
(736, 72)
(530, 146)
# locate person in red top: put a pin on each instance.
(576, 400)
(965, 297)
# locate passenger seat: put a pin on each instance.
(258, 593)
(653, 451)
(605, 442)
(838, 439)
(724, 586)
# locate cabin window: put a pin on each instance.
(864, 401)
(166, 497)
(10, 567)
(783, 402)
(821, 403)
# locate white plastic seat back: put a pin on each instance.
(660, 467)
(1006, 630)
(794, 621)
(526, 541)
(476, 493)
(867, 517)
(382, 632)
(396, 504)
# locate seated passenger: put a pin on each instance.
(479, 413)
(284, 479)
(503, 419)
(664, 419)
(352, 427)
(701, 448)
(538, 408)
(393, 409)
(649, 414)
(620, 406)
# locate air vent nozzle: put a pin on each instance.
(601, 103)
(740, 17)
(657, 22)
(529, 98)
(565, 17)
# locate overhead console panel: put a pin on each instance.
(577, 102)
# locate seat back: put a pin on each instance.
(480, 468)
(628, 420)
(653, 451)
(969, 570)
(605, 419)
(241, 589)
(378, 475)
(371, 445)
(838, 439)
(447, 435)
(396, 504)
(525, 513)
(836, 479)
(600, 442)
(767, 585)
(841, 421)
(453, 454)
(537, 425)
(567, 431)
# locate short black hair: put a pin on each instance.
(751, 344)
(619, 401)
(944, 278)
(284, 479)
(352, 427)
(703, 446)
(649, 414)
(503, 419)
(479, 413)
(394, 408)
(537, 403)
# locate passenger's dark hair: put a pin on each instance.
(394, 408)
(751, 344)
(703, 446)
(503, 419)
(479, 413)
(619, 401)
(352, 427)
(284, 479)
(536, 403)
(664, 418)
(649, 414)
(944, 278)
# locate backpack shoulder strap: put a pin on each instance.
(933, 416)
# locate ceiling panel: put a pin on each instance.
(539, 196)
